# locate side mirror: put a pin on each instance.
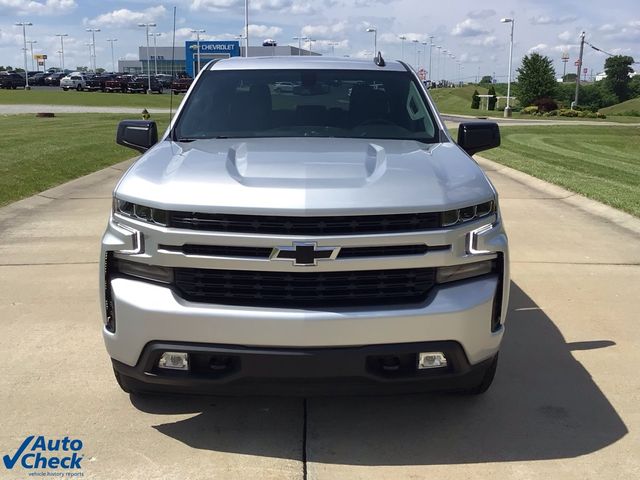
(474, 137)
(140, 135)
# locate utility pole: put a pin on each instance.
(113, 58)
(565, 59)
(578, 66)
(62, 35)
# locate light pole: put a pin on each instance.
(438, 63)
(300, 40)
(430, 49)
(374, 30)
(146, 26)
(24, 26)
(424, 50)
(93, 42)
(113, 58)
(90, 54)
(155, 51)
(198, 32)
(246, 30)
(333, 46)
(507, 109)
(31, 42)
(565, 59)
(402, 39)
(62, 35)
(444, 66)
(59, 52)
(310, 41)
(415, 51)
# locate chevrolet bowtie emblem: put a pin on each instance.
(305, 253)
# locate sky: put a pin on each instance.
(470, 31)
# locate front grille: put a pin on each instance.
(265, 252)
(275, 225)
(300, 290)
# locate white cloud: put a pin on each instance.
(607, 28)
(336, 30)
(485, 13)
(264, 31)
(363, 54)
(128, 18)
(328, 45)
(296, 7)
(489, 41)
(548, 20)
(32, 7)
(538, 48)
(394, 38)
(565, 36)
(469, 28)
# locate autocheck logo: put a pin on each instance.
(38, 452)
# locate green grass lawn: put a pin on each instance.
(598, 162)
(90, 99)
(624, 108)
(39, 153)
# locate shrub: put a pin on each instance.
(545, 104)
(601, 115)
(491, 104)
(568, 113)
(475, 100)
(530, 110)
(552, 113)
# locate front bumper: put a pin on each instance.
(236, 370)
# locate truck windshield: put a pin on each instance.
(306, 103)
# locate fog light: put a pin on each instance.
(431, 360)
(174, 361)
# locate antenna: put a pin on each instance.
(173, 66)
(379, 61)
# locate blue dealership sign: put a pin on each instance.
(209, 50)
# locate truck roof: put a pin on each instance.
(303, 62)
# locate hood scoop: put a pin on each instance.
(308, 168)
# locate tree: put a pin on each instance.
(100, 71)
(475, 100)
(82, 69)
(618, 69)
(570, 77)
(486, 79)
(536, 79)
(493, 99)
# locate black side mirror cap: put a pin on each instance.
(474, 137)
(140, 135)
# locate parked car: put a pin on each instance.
(98, 82)
(75, 81)
(53, 80)
(38, 79)
(156, 86)
(165, 80)
(11, 80)
(181, 85)
(331, 244)
(283, 87)
(125, 84)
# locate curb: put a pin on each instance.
(63, 191)
(592, 207)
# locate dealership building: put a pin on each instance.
(185, 58)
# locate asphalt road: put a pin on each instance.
(565, 403)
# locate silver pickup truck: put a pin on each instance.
(331, 238)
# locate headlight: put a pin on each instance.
(140, 212)
(466, 214)
(468, 270)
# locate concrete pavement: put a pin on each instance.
(565, 403)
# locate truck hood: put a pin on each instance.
(305, 176)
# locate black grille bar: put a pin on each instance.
(265, 252)
(305, 289)
(276, 225)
